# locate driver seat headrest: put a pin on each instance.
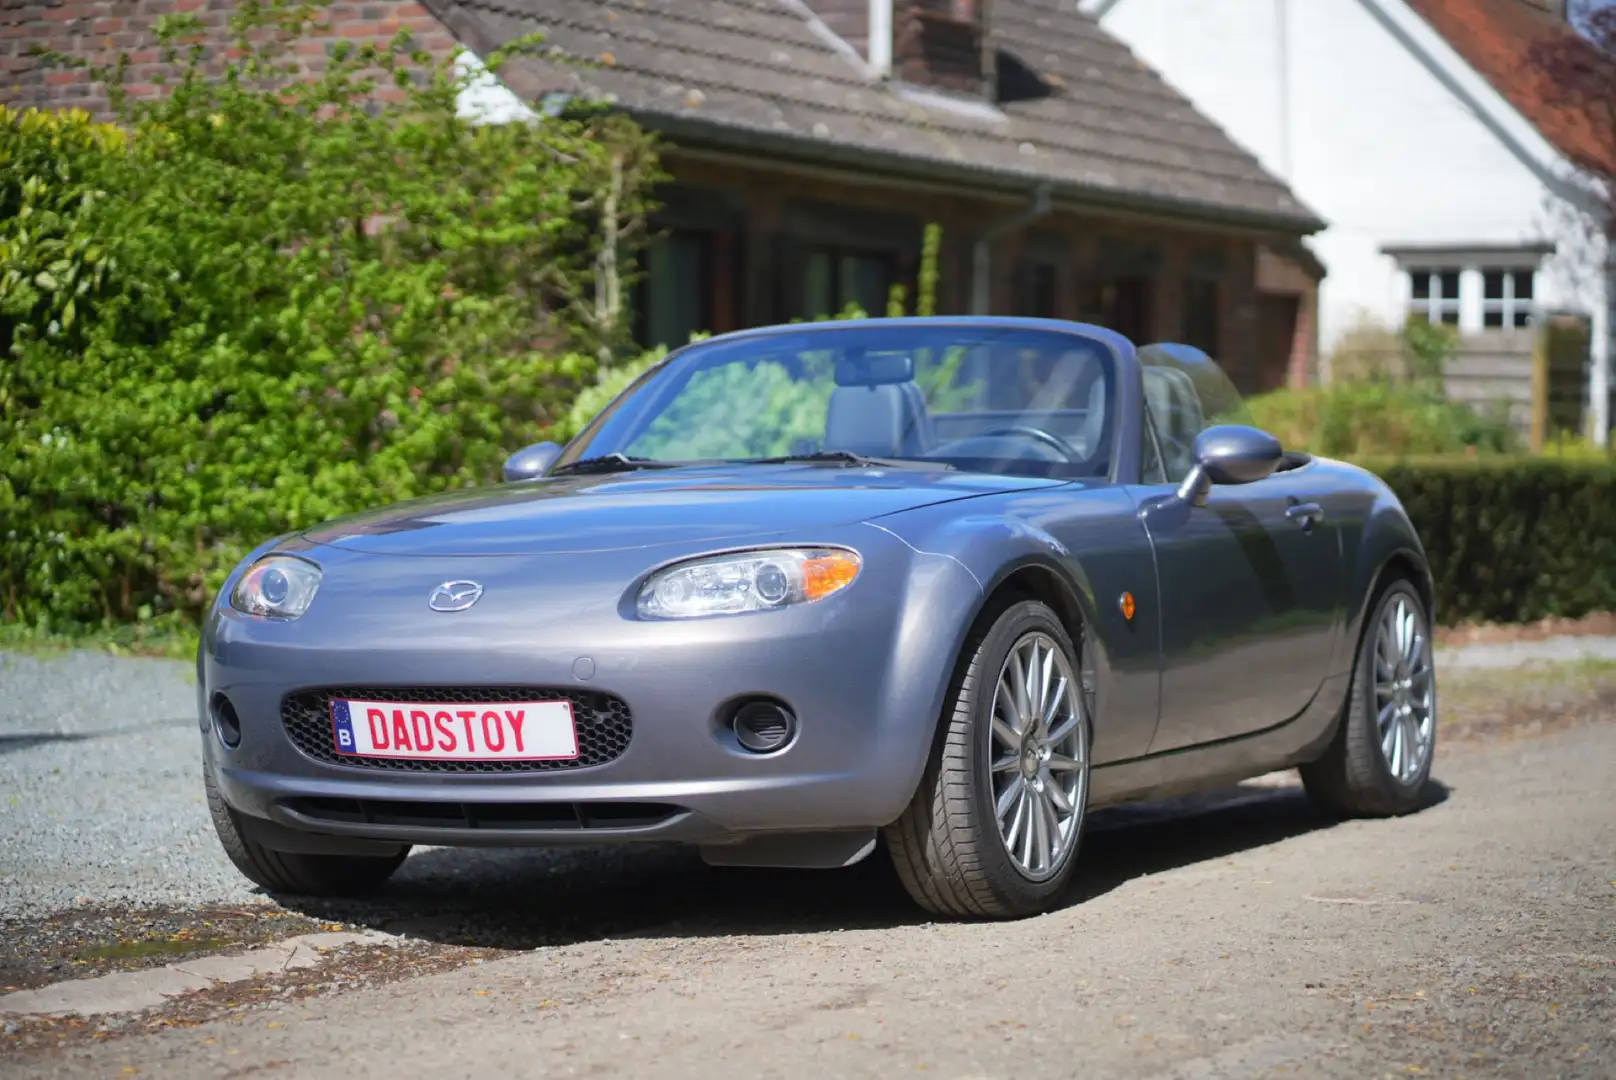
(887, 420)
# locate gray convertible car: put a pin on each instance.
(950, 583)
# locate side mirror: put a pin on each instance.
(530, 462)
(1229, 454)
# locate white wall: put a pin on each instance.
(1367, 136)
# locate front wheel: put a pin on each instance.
(995, 825)
(1380, 758)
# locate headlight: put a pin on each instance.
(747, 581)
(277, 587)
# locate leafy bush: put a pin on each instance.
(1417, 351)
(1359, 418)
(1513, 539)
(267, 299)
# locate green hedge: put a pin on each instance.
(1513, 539)
(254, 305)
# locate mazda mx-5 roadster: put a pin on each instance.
(946, 583)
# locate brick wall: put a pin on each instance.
(98, 31)
(1283, 275)
(938, 43)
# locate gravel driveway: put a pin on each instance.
(1233, 936)
(98, 763)
(102, 795)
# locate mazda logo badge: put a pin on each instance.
(455, 596)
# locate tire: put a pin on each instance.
(294, 873)
(948, 847)
(1355, 776)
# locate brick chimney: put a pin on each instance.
(940, 43)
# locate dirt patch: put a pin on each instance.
(342, 971)
(1599, 624)
(1486, 708)
(90, 941)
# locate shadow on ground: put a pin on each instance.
(523, 899)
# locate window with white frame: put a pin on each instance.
(1434, 293)
(1506, 297)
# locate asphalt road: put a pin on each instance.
(1237, 937)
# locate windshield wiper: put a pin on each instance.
(613, 462)
(849, 458)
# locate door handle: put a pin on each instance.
(1305, 512)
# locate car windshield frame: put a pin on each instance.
(629, 415)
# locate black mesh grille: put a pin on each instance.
(501, 816)
(604, 725)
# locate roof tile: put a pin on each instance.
(1495, 37)
(1112, 128)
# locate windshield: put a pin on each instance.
(984, 398)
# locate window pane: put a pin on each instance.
(1201, 314)
(864, 282)
(1493, 316)
(1041, 301)
(1128, 301)
(1523, 316)
(676, 285)
(1421, 280)
(1523, 284)
(1492, 285)
(1449, 280)
(1449, 316)
(818, 286)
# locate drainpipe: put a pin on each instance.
(1283, 42)
(981, 277)
(1602, 344)
(881, 38)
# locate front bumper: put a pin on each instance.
(864, 672)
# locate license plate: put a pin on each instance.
(463, 731)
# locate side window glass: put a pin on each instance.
(1175, 419)
(1151, 469)
(1185, 393)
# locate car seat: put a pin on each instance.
(886, 420)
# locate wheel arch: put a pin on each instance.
(1040, 577)
(1403, 562)
(1388, 546)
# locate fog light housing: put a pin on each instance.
(225, 721)
(763, 726)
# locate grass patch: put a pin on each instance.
(149, 948)
(169, 640)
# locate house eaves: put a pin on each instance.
(756, 76)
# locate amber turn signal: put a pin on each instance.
(828, 572)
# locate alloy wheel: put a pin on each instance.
(1038, 756)
(1405, 691)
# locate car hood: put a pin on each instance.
(651, 507)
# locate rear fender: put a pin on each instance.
(1387, 539)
